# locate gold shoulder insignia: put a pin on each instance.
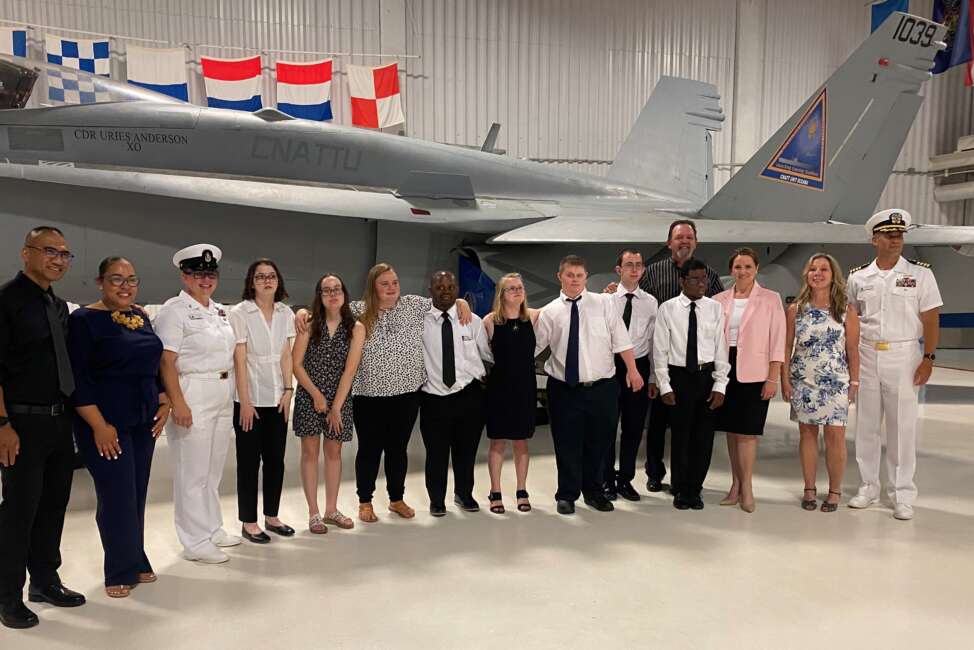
(925, 265)
(859, 268)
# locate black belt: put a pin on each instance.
(704, 367)
(586, 384)
(50, 410)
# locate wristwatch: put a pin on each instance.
(4, 420)
(930, 356)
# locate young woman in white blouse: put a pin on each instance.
(264, 329)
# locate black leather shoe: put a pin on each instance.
(680, 503)
(16, 615)
(438, 510)
(609, 491)
(627, 491)
(599, 502)
(565, 507)
(283, 530)
(654, 485)
(259, 538)
(467, 504)
(57, 595)
(696, 503)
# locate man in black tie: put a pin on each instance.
(584, 330)
(452, 409)
(691, 367)
(36, 447)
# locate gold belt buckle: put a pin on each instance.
(882, 345)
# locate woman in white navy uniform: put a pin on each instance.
(197, 371)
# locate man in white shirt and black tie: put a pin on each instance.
(638, 311)
(690, 361)
(584, 331)
(452, 410)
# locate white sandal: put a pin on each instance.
(338, 519)
(317, 525)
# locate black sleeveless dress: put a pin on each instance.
(512, 386)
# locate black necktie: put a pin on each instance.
(692, 365)
(571, 354)
(449, 365)
(627, 312)
(65, 379)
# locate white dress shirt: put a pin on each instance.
(470, 349)
(737, 315)
(601, 334)
(265, 346)
(670, 340)
(889, 304)
(201, 336)
(644, 308)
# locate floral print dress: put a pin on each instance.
(819, 369)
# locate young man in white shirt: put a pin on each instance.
(584, 331)
(638, 312)
(451, 416)
(690, 362)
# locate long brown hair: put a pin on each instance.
(498, 309)
(370, 316)
(318, 315)
(249, 293)
(838, 300)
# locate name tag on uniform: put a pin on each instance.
(906, 281)
(466, 337)
(194, 316)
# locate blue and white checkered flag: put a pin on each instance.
(67, 87)
(80, 54)
(13, 41)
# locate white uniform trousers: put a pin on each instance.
(198, 456)
(887, 395)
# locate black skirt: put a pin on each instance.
(743, 411)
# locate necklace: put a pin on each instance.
(131, 321)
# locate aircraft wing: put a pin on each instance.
(588, 226)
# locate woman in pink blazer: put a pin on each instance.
(754, 328)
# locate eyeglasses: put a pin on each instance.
(513, 289)
(265, 277)
(203, 275)
(336, 291)
(50, 252)
(118, 280)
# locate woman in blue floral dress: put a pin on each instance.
(821, 375)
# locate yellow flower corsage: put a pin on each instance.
(133, 322)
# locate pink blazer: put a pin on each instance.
(761, 337)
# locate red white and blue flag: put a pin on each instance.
(304, 89)
(13, 41)
(376, 102)
(161, 70)
(232, 83)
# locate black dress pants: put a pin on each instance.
(583, 420)
(451, 426)
(121, 486)
(264, 443)
(633, 408)
(383, 424)
(659, 420)
(36, 490)
(692, 424)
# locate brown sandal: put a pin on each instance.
(147, 577)
(402, 509)
(118, 591)
(317, 525)
(338, 519)
(366, 513)
(827, 506)
(809, 504)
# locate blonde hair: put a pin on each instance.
(370, 316)
(838, 300)
(498, 309)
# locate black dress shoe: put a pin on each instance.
(467, 504)
(16, 615)
(599, 502)
(609, 491)
(565, 507)
(57, 595)
(626, 491)
(438, 510)
(283, 530)
(696, 503)
(680, 503)
(259, 538)
(654, 485)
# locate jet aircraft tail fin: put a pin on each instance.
(832, 158)
(669, 146)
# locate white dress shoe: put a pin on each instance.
(223, 539)
(903, 511)
(862, 501)
(207, 556)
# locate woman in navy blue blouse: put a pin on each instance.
(120, 412)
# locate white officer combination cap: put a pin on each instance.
(894, 220)
(198, 257)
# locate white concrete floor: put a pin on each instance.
(643, 576)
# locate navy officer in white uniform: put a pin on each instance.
(898, 304)
(197, 371)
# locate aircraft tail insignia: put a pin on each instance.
(800, 160)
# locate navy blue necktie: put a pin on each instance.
(571, 354)
(449, 365)
(692, 364)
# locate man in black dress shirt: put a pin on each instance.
(36, 447)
